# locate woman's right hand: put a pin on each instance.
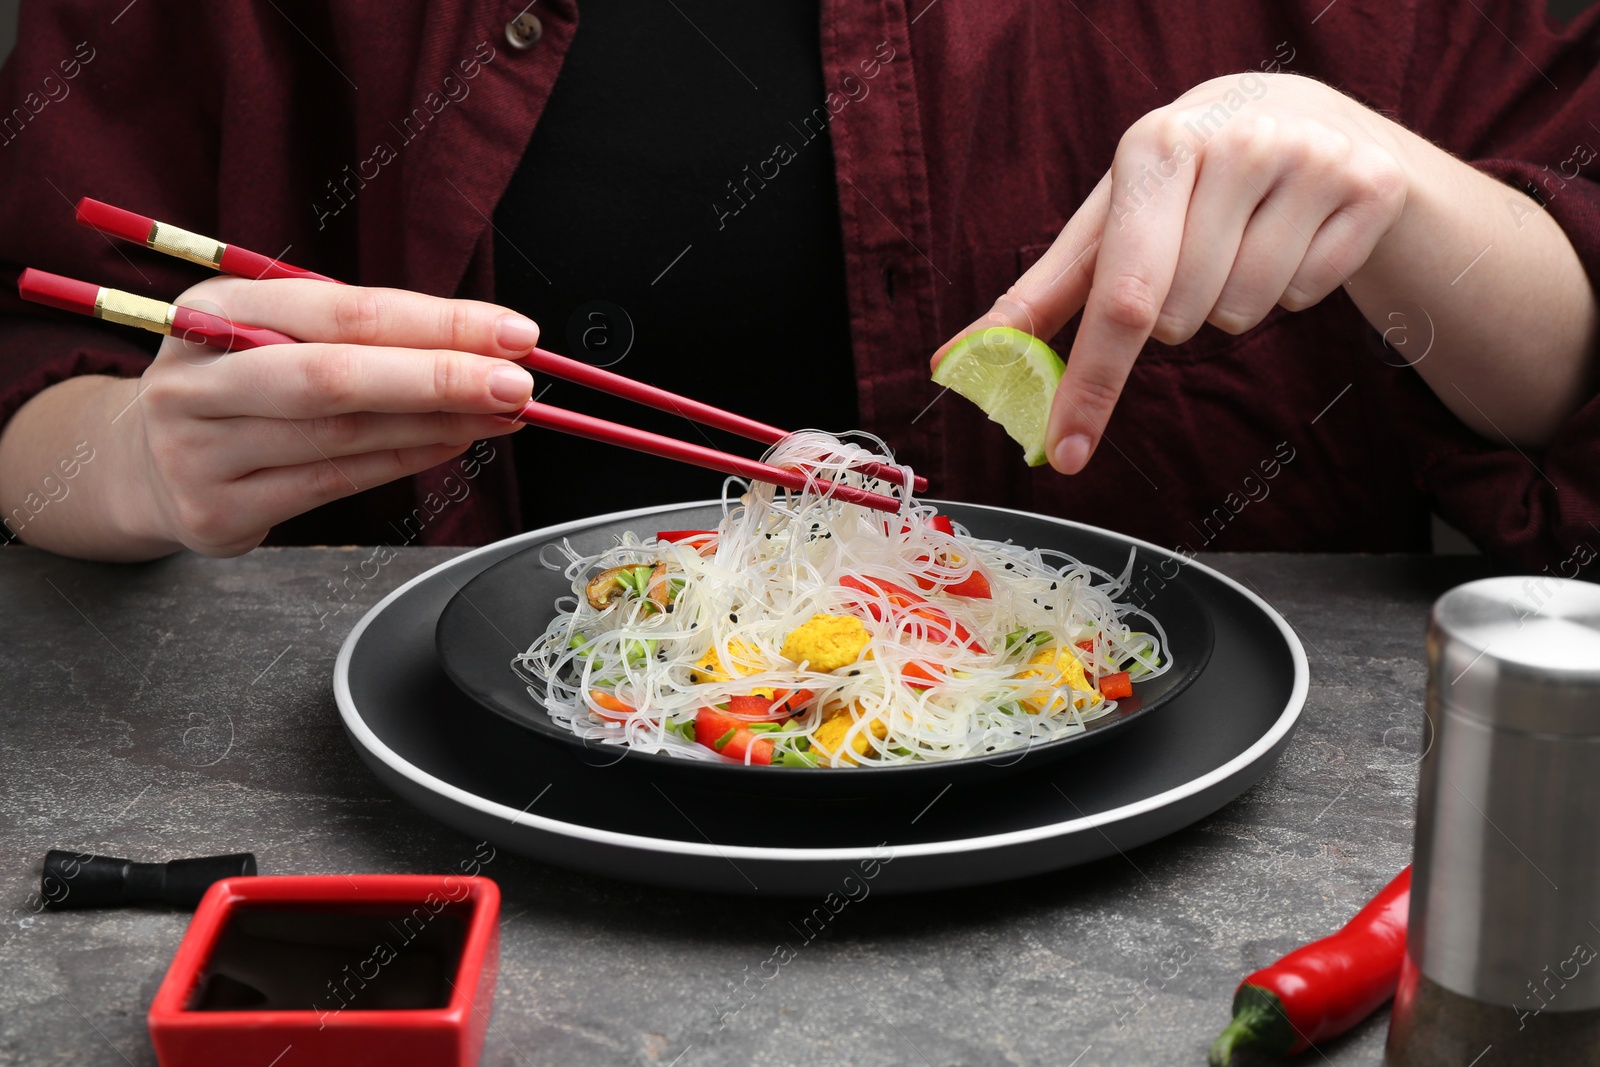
(386, 383)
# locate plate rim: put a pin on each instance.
(363, 734)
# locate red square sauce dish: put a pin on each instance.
(302, 971)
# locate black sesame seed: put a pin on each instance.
(1011, 566)
(732, 617)
(1049, 607)
(1052, 587)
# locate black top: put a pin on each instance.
(674, 221)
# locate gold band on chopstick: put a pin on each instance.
(194, 247)
(114, 305)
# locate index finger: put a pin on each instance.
(351, 314)
(1053, 290)
(1133, 271)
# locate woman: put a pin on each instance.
(1304, 322)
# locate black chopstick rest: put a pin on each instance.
(77, 880)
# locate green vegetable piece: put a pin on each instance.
(720, 743)
(1025, 638)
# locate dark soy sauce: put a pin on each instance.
(330, 960)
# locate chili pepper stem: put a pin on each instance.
(1258, 1022)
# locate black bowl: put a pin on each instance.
(499, 613)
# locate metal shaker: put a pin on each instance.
(1503, 949)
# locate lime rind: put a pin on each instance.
(1011, 376)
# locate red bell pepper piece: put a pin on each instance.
(702, 541)
(941, 626)
(920, 676)
(730, 735)
(974, 586)
(610, 708)
(898, 595)
(1324, 988)
(784, 702)
(1116, 686)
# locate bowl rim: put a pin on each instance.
(169, 1008)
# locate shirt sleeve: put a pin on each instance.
(1518, 98)
(91, 119)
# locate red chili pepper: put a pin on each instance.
(942, 524)
(683, 535)
(1323, 988)
(1116, 686)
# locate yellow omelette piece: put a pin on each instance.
(829, 737)
(827, 642)
(746, 660)
(1059, 668)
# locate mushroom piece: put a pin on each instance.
(604, 586)
(658, 590)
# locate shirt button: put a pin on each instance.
(524, 31)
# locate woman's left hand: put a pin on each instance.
(1247, 192)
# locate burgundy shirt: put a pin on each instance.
(372, 139)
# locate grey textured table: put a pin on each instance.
(185, 707)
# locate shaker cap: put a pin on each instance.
(1519, 653)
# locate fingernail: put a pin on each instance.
(510, 385)
(516, 333)
(1072, 453)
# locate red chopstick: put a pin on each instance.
(157, 316)
(605, 381)
(114, 305)
(176, 241)
(580, 425)
(231, 259)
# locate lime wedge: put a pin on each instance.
(1011, 376)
